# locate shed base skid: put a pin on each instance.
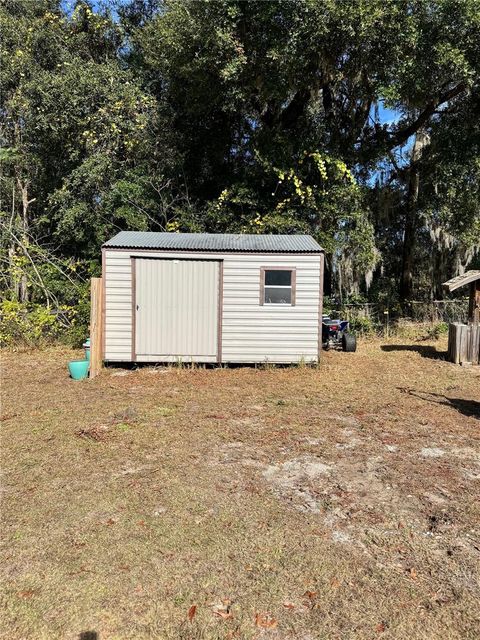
(187, 361)
(175, 359)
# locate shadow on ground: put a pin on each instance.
(88, 635)
(425, 350)
(470, 408)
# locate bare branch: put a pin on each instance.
(47, 294)
(403, 135)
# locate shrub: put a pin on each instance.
(439, 329)
(362, 326)
(32, 324)
(78, 330)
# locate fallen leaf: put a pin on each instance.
(192, 611)
(413, 573)
(222, 609)
(311, 595)
(84, 568)
(289, 605)
(225, 615)
(380, 628)
(28, 593)
(335, 583)
(8, 416)
(265, 621)
(110, 521)
(141, 523)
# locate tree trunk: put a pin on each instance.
(411, 220)
(411, 223)
(21, 287)
(439, 271)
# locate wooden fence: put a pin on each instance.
(424, 312)
(96, 327)
(464, 343)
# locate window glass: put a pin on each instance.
(278, 295)
(278, 278)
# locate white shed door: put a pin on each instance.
(176, 306)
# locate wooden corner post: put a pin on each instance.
(474, 302)
(96, 326)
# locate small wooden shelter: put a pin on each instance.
(464, 339)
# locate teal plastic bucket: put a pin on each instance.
(86, 346)
(78, 369)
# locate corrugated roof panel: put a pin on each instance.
(214, 242)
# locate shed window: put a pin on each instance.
(277, 286)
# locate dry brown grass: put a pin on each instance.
(339, 502)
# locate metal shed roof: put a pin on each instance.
(214, 242)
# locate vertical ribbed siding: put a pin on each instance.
(177, 308)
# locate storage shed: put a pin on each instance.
(190, 297)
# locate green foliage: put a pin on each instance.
(32, 324)
(363, 326)
(439, 329)
(233, 116)
(76, 333)
(328, 305)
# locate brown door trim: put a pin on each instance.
(134, 304)
(134, 308)
(220, 312)
(320, 304)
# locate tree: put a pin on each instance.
(449, 205)
(82, 138)
(241, 116)
(253, 82)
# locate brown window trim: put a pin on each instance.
(294, 284)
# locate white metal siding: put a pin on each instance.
(176, 309)
(250, 332)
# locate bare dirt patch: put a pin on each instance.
(297, 480)
(339, 502)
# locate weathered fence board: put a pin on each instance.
(464, 343)
(474, 344)
(96, 327)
